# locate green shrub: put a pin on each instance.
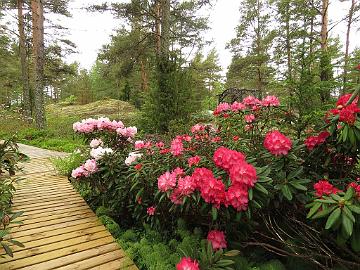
(65, 165)
(111, 225)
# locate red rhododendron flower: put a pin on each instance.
(344, 99)
(217, 239)
(313, 141)
(323, 187)
(236, 138)
(277, 143)
(355, 186)
(243, 173)
(348, 114)
(226, 158)
(193, 160)
(151, 210)
(270, 101)
(187, 264)
(201, 175)
(176, 196)
(213, 191)
(138, 166)
(249, 118)
(237, 197)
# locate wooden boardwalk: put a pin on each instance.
(59, 229)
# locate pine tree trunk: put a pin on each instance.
(157, 27)
(347, 44)
(165, 28)
(38, 56)
(24, 65)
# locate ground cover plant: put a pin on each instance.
(246, 181)
(9, 156)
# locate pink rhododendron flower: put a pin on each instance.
(160, 145)
(197, 128)
(193, 160)
(133, 156)
(96, 143)
(127, 132)
(178, 171)
(249, 118)
(167, 181)
(78, 172)
(176, 197)
(243, 173)
(251, 101)
(217, 239)
(237, 197)
(201, 175)
(270, 101)
(139, 145)
(151, 210)
(186, 185)
(323, 187)
(221, 108)
(187, 264)
(177, 147)
(237, 106)
(90, 166)
(277, 143)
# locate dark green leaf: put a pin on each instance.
(335, 215)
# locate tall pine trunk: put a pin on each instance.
(347, 44)
(24, 64)
(325, 61)
(38, 56)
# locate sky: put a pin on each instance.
(90, 31)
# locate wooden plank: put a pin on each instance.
(45, 205)
(32, 243)
(71, 229)
(42, 192)
(28, 216)
(25, 227)
(42, 230)
(32, 200)
(64, 256)
(98, 260)
(50, 216)
(58, 245)
(50, 209)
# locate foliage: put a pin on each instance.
(9, 156)
(229, 175)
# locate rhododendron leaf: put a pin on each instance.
(298, 186)
(352, 136)
(295, 173)
(224, 263)
(347, 225)
(264, 179)
(232, 253)
(214, 213)
(335, 197)
(345, 133)
(354, 208)
(286, 192)
(238, 216)
(347, 211)
(313, 210)
(355, 240)
(256, 204)
(250, 194)
(325, 201)
(260, 188)
(7, 249)
(335, 215)
(139, 193)
(263, 171)
(301, 181)
(349, 193)
(324, 212)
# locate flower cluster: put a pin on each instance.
(347, 113)
(277, 143)
(85, 170)
(313, 141)
(323, 187)
(356, 187)
(96, 143)
(249, 102)
(187, 263)
(133, 156)
(217, 239)
(99, 152)
(90, 125)
(194, 160)
(177, 146)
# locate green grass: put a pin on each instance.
(59, 134)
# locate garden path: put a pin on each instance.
(59, 229)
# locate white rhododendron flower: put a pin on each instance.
(98, 153)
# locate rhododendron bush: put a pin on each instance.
(228, 175)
